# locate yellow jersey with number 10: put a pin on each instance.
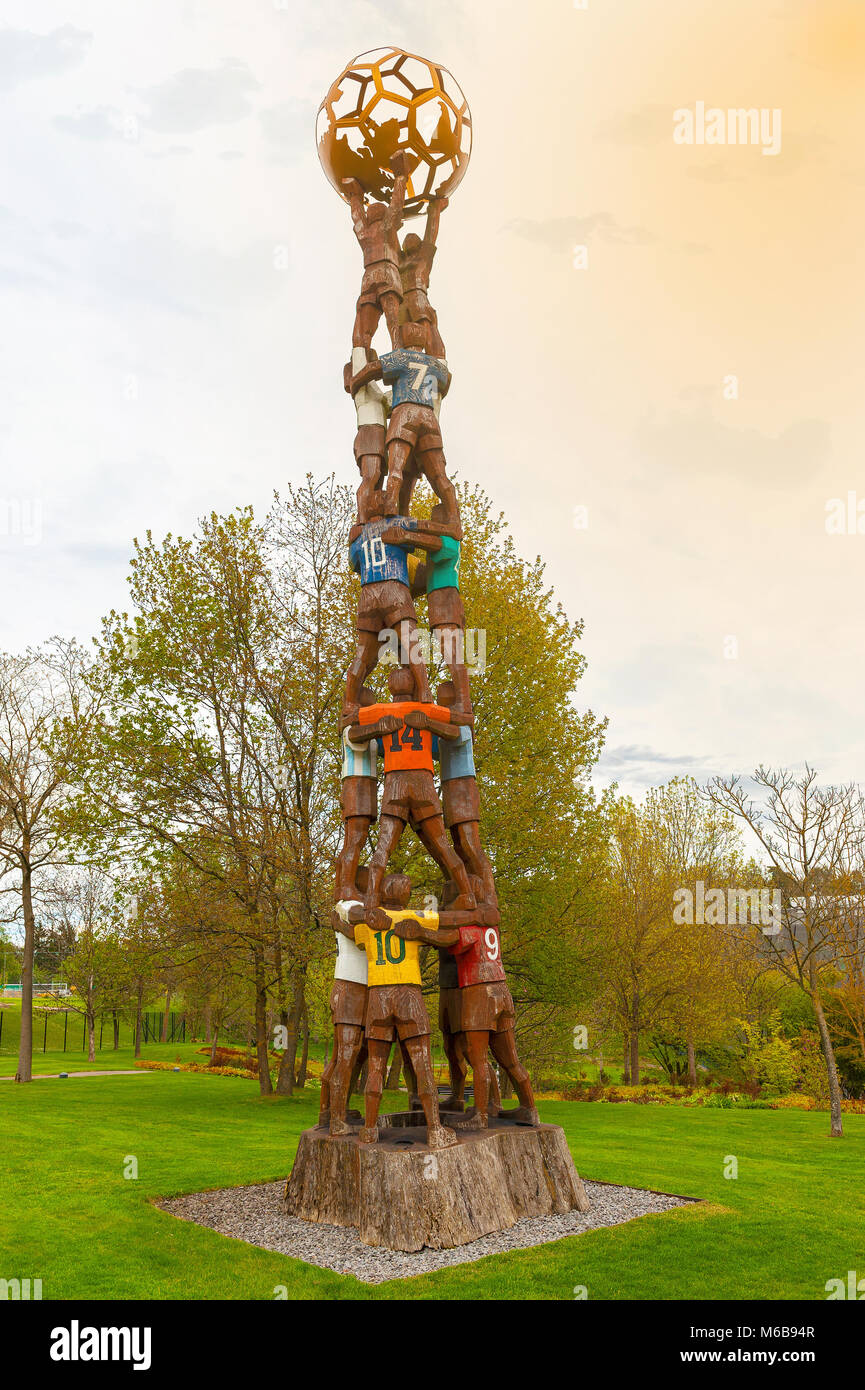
(390, 959)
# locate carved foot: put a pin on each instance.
(440, 1137)
(452, 1102)
(474, 1120)
(338, 1126)
(368, 1134)
(523, 1115)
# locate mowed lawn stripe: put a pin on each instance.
(794, 1217)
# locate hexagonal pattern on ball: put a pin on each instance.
(388, 100)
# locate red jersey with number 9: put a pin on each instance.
(405, 747)
(479, 956)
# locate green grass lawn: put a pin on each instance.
(794, 1218)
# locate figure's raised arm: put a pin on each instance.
(436, 208)
(354, 193)
(399, 164)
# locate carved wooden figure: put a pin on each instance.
(415, 265)
(348, 1005)
(418, 382)
(486, 1011)
(409, 793)
(359, 804)
(439, 577)
(376, 229)
(461, 798)
(385, 603)
(375, 1175)
(371, 405)
(395, 1009)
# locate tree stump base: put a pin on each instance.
(401, 1195)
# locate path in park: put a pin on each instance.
(56, 1075)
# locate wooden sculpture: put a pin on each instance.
(432, 1175)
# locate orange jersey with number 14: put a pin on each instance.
(406, 747)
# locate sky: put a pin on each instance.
(656, 346)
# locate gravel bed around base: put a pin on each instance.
(256, 1214)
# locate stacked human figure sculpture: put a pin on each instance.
(376, 997)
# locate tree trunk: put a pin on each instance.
(635, 1058)
(285, 1079)
(116, 1022)
(265, 1085)
(165, 1017)
(25, 1046)
(392, 1082)
(139, 1000)
(626, 1060)
(692, 1064)
(304, 1056)
(213, 1042)
(207, 1025)
(837, 1129)
(91, 1035)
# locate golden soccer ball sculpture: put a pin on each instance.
(389, 100)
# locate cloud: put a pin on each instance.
(99, 123)
(648, 125)
(25, 56)
(697, 442)
(289, 129)
(636, 765)
(560, 233)
(196, 98)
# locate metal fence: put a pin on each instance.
(59, 1029)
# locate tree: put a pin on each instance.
(700, 844)
(813, 837)
(640, 964)
(45, 708)
(97, 967)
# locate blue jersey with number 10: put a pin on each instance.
(374, 560)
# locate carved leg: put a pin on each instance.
(379, 1052)
(477, 1044)
(365, 658)
(347, 1044)
(410, 655)
(390, 303)
(504, 1048)
(398, 451)
(432, 464)
(438, 1136)
(389, 835)
(432, 834)
(372, 475)
(452, 642)
(467, 839)
(354, 838)
(365, 323)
